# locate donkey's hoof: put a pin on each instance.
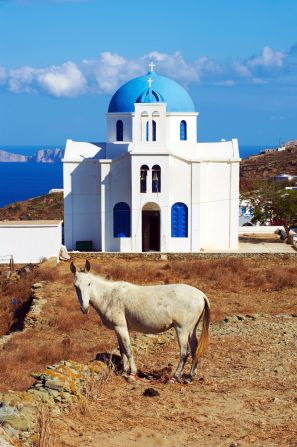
(173, 380)
(131, 378)
(188, 380)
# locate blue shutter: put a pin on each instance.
(121, 220)
(179, 220)
(174, 221)
(147, 131)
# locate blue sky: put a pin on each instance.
(61, 60)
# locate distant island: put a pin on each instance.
(40, 156)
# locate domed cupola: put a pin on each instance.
(141, 90)
(150, 95)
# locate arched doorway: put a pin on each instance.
(151, 227)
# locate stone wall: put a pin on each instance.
(157, 256)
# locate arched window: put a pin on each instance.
(179, 220)
(183, 130)
(156, 178)
(121, 220)
(143, 174)
(120, 130)
(154, 131)
(147, 131)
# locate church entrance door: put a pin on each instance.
(150, 230)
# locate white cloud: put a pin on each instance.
(110, 70)
(242, 70)
(174, 66)
(268, 58)
(64, 81)
(20, 80)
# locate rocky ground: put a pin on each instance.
(245, 393)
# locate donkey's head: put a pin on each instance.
(82, 284)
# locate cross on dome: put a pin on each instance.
(151, 66)
(149, 81)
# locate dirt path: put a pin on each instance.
(245, 395)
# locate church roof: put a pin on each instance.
(151, 88)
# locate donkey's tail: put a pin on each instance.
(203, 341)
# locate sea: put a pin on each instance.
(21, 181)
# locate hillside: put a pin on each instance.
(266, 166)
(45, 207)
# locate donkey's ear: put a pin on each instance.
(72, 267)
(87, 266)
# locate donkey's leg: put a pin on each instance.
(182, 336)
(193, 345)
(123, 335)
(125, 361)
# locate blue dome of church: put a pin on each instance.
(151, 88)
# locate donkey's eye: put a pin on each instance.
(89, 284)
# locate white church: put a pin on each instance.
(151, 186)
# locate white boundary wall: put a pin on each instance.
(30, 241)
(258, 229)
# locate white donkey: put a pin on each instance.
(148, 309)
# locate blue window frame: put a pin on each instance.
(154, 131)
(121, 220)
(183, 130)
(147, 131)
(120, 130)
(156, 178)
(179, 220)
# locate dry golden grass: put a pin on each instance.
(229, 273)
(45, 435)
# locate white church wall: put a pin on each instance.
(82, 203)
(234, 205)
(215, 206)
(76, 151)
(114, 150)
(112, 119)
(173, 127)
(147, 113)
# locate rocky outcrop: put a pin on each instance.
(47, 156)
(57, 388)
(40, 156)
(12, 158)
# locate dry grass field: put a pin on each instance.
(245, 393)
